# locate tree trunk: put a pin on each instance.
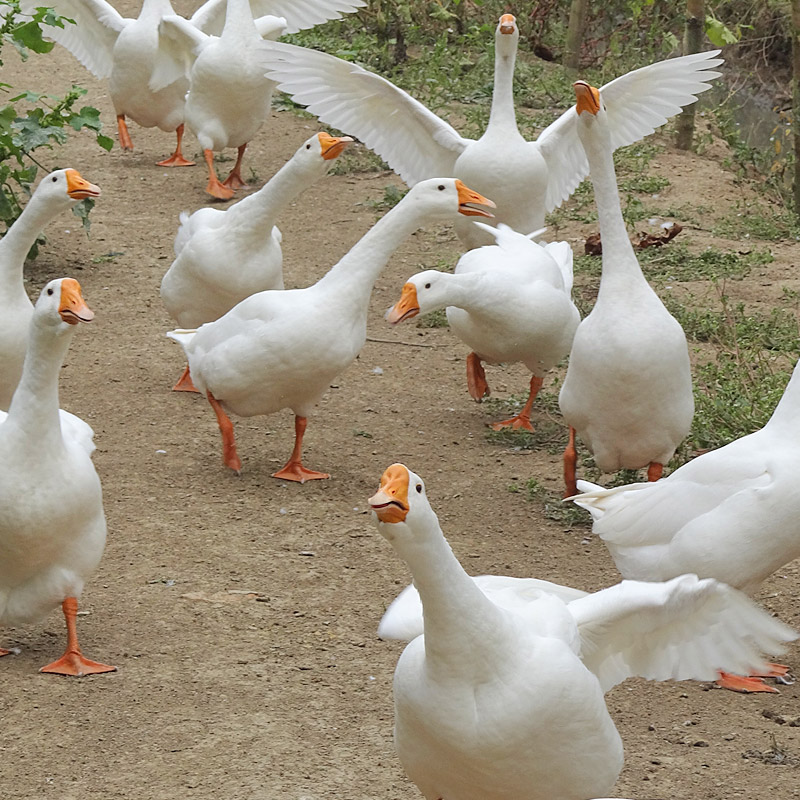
(796, 101)
(692, 42)
(577, 24)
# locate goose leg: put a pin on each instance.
(654, 471)
(73, 662)
(476, 378)
(523, 419)
(293, 470)
(214, 187)
(570, 463)
(229, 455)
(176, 159)
(184, 383)
(124, 137)
(234, 180)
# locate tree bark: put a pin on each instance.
(692, 42)
(575, 29)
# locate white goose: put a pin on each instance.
(628, 389)
(124, 51)
(730, 514)
(282, 349)
(52, 526)
(223, 256)
(55, 193)
(229, 97)
(502, 695)
(526, 179)
(507, 302)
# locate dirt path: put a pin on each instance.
(286, 693)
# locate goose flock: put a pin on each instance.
(500, 692)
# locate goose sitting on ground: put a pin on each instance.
(730, 514)
(502, 696)
(55, 193)
(525, 179)
(52, 526)
(628, 389)
(229, 96)
(224, 256)
(507, 302)
(282, 349)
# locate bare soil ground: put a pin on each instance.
(286, 692)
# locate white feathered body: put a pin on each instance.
(133, 57)
(52, 526)
(496, 710)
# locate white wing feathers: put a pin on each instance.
(91, 39)
(411, 139)
(299, 14)
(403, 619)
(178, 45)
(636, 104)
(683, 629)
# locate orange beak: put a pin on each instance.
(332, 146)
(406, 307)
(78, 188)
(390, 502)
(467, 198)
(587, 98)
(73, 308)
(508, 23)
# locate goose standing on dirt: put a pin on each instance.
(55, 193)
(525, 179)
(503, 698)
(628, 389)
(229, 97)
(124, 51)
(507, 302)
(282, 349)
(731, 514)
(52, 525)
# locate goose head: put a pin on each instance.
(65, 187)
(592, 122)
(319, 151)
(422, 293)
(400, 506)
(440, 197)
(506, 35)
(61, 305)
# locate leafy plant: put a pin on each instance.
(32, 120)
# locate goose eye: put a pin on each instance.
(308, 147)
(50, 291)
(427, 286)
(418, 487)
(440, 187)
(54, 178)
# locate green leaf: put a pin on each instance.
(106, 142)
(81, 211)
(720, 34)
(87, 117)
(29, 35)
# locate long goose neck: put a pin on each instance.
(462, 626)
(502, 112)
(34, 406)
(19, 239)
(354, 275)
(284, 187)
(463, 290)
(786, 412)
(238, 19)
(619, 258)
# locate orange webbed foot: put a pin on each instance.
(234, 181)
(476, 378)
(184, 383)
(74, 663)
(295, 471)
(4, 652)
(219, 190)
(175, 160)
(773, 671)
(739, 683)
(515, 423)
